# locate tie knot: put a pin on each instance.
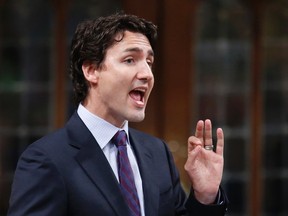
(120, 138)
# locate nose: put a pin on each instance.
(145, 72)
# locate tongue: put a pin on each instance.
(135, 95)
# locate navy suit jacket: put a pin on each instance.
(67, 174)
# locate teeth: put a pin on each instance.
(140, 90)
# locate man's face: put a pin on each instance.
(125, 80)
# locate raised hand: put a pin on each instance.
(204, 165)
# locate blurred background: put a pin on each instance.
(226, 60)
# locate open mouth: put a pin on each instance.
(138, 96)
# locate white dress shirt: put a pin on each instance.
(103, 132)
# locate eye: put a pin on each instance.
(150, 63)
(129, 60)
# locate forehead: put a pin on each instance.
(132, 40)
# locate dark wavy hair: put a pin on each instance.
(92, 38)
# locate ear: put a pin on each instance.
(90, 71)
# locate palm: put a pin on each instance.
(205, 167)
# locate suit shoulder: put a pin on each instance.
(55, 136)
(51, 142)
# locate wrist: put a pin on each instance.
(205, 198)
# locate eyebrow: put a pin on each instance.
(136, 49)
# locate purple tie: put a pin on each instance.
(126, 177)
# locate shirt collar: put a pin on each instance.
(102, 130)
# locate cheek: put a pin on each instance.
(152, 83)
(151, 86)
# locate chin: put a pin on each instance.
(137, 118)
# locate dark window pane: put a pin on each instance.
(273, 196)
(275, 152)
(274, 105)
(235, 157)
(9, 109)
(236, 195)
(207, 106)
(9, 65)
(36, 65)
(38, 109)
(9, 152)
(236, 110)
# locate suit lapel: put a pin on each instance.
(91, 158)
(145, 163)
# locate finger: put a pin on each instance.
(220, 142)
(192, 158)
(193, 142)
(199, 133)
(208, 133)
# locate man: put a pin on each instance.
(96, 164)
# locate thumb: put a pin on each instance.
(192, 155)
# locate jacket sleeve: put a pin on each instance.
(196, 208)
(37, 187)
